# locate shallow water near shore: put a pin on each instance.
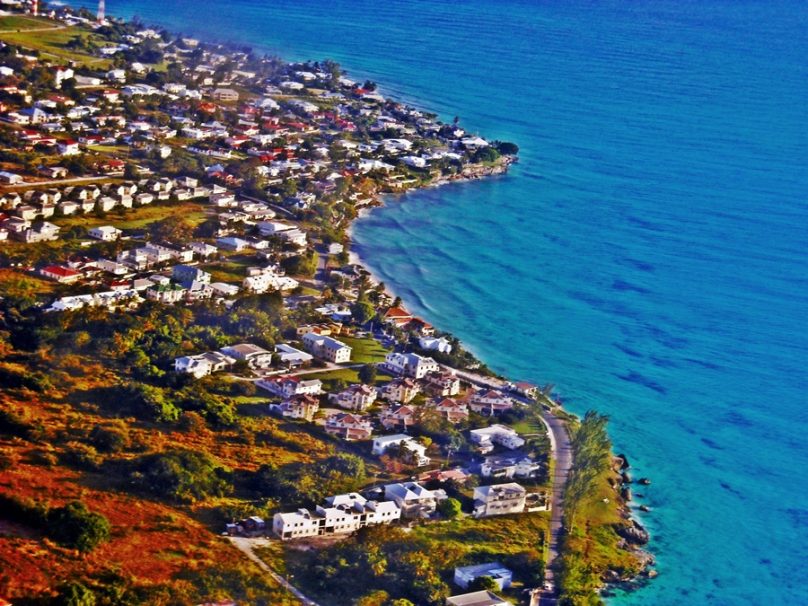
(647, 255)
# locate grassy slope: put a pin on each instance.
(52, 44)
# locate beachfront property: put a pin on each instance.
(356, 397)
(486, 438)
(409, 365)
(327, 348)
(416, 450)
(341, 514)
(499, 499)
(256, 357)
(477, 598)
(439, 344)
(490, 402)
(466, 575)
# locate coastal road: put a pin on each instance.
(561, 448)
(246, 545)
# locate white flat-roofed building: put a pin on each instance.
(291, 356)
(499, 499)
(255, 356)
(341, 514)
(486, 437)
(105, 233)
(477, 598)
(327, 348)
(465, 575)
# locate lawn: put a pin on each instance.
(234, 269)
(348, 375)
(16, 22)
(365, 351)
(138, 217)
(52, 43)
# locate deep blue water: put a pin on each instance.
(647, 255)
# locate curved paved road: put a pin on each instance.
(561, 448)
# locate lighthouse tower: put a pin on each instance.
(35, 7)
(101, 14)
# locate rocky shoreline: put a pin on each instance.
(635, 537)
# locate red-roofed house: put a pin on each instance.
(397, 316)
(69, 147)
(63, 275)
(349, 426)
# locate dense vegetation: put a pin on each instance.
(593, 551)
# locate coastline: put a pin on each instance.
(636, 536)
(555, 418)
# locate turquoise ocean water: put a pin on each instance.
(648, 255)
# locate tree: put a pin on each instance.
(75, 594)
(362, 311)
(171, 230)
(181, 475)
(77, 527)
(506, 148)
(483, 584)
(367, 374)
(378, 597)
(449, 508)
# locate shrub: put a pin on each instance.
(109, 439)
(449, 508)
(181, 475)
(77, 527)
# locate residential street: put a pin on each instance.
(562, 454)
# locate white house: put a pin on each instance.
(356, 397)
(382, 443)
(203, 364)
(410, 364)
(291, 356)
(327, 348)
(105, 233)
(439, 344)
(298, 407)
(255, 356)
(486, 437)
(287, 387)
(414, 500)
(499, 499)
(341, 514)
